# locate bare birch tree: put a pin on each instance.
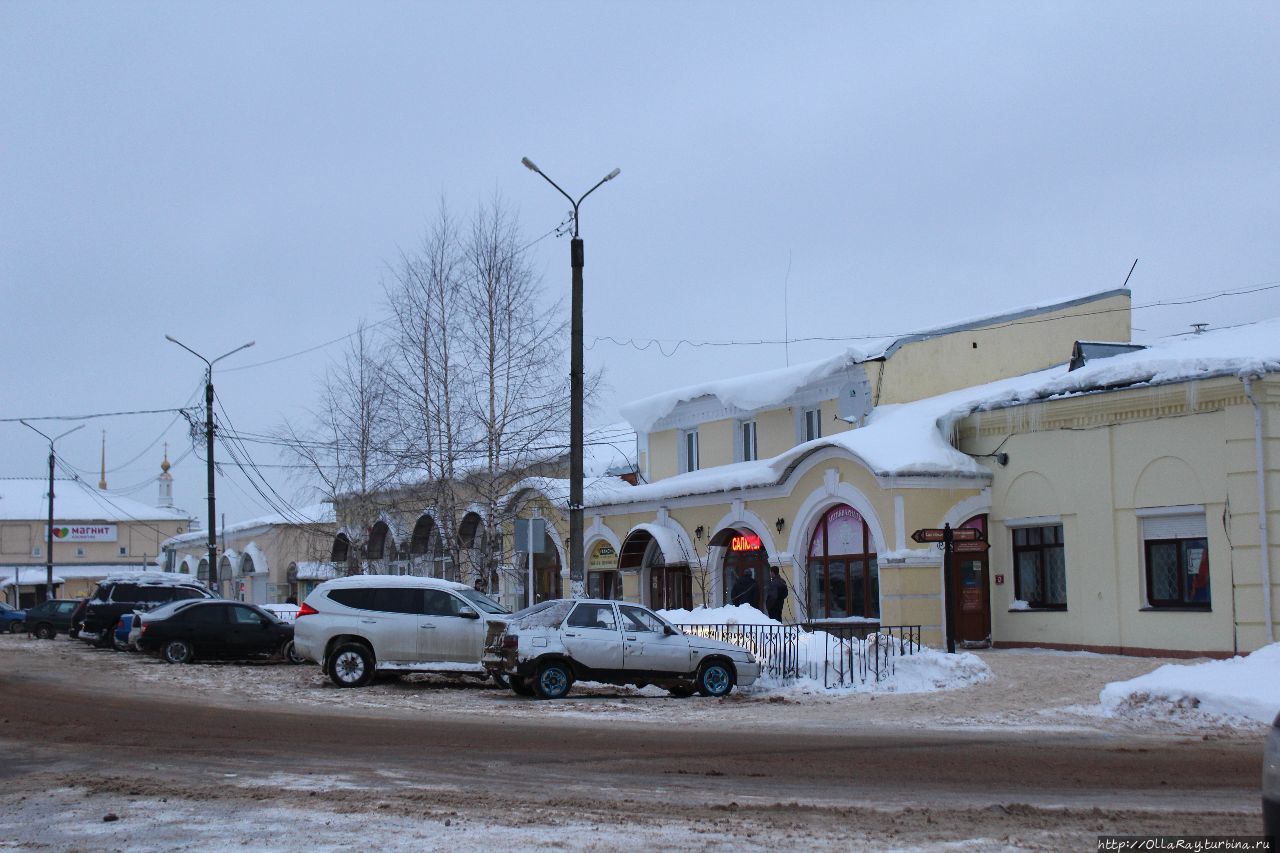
(343, 451)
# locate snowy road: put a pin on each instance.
(268, 757)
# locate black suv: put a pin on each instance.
(121, 594)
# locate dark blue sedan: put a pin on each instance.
(11, 618)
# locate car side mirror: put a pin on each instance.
(468, 614)
(668, 630)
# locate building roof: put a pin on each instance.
(771, 387)
(913, 439)
(27, 499)
(321, 513)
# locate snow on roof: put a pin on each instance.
(29, 577)
(311, 570)
(912, 439)
(27, 499)
(321, 513)
(771, 387)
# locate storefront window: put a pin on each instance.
(844, 579)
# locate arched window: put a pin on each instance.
(378, 541)
(844, 579)
(341, 549)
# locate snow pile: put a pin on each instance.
(730, 614)
(1245, 688)
(824, 658)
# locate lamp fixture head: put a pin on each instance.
(528, 164)
(698, 531)
(780, 523)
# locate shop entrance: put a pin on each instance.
(663, 587)
(971, 592)
(744, 570)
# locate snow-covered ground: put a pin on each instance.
(1243, 690)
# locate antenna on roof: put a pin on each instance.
(1126, 278)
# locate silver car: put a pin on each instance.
(543, 650)
(355, 627)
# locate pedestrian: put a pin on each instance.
(775, 594)
(744, 588)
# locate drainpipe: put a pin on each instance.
(1263, 536)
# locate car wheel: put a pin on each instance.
(178, 651)
(15, 627)
(351, 665)
(290, 653)
(716, 678)
(44, 631)
(520, 685)
(500, 680)
(104, 640)
(553, 680)
(683, 691)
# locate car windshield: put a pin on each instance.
(480, 601)
(638, 619)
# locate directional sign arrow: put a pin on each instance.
(928, 534)
(970, 547)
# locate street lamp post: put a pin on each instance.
(208, 430)
(576, 573)
(48, 586)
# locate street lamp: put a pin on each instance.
(48, 586)
(576, 573)
(208, 429)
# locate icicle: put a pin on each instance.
(1193, 395)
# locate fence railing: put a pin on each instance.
(844, 659)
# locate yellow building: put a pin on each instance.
(96, 533)
(263, 560)
(1113, 506)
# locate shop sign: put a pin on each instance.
(603, 559)
(745, 542)
(82, 532)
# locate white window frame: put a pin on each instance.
(748, 448)
(688, 450)
(811, 424)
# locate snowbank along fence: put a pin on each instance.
(845, 659)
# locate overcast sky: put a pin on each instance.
(226, 172)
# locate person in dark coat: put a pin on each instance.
(775, 594)
(744, 588)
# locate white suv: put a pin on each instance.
(355, 626)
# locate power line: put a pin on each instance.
(643, 344)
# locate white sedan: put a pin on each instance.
(544, 649)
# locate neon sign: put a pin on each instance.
(747, 542)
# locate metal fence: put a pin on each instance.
(839, 658)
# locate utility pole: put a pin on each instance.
(48, 585)
(577, 572)
(208, 431)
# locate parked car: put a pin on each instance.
(11, 618)
(358, 626)
(1271, 784)
(214, 629)
(77, 618)
(544, 649)
(127, 593)
(49, 618)
(120, 635)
